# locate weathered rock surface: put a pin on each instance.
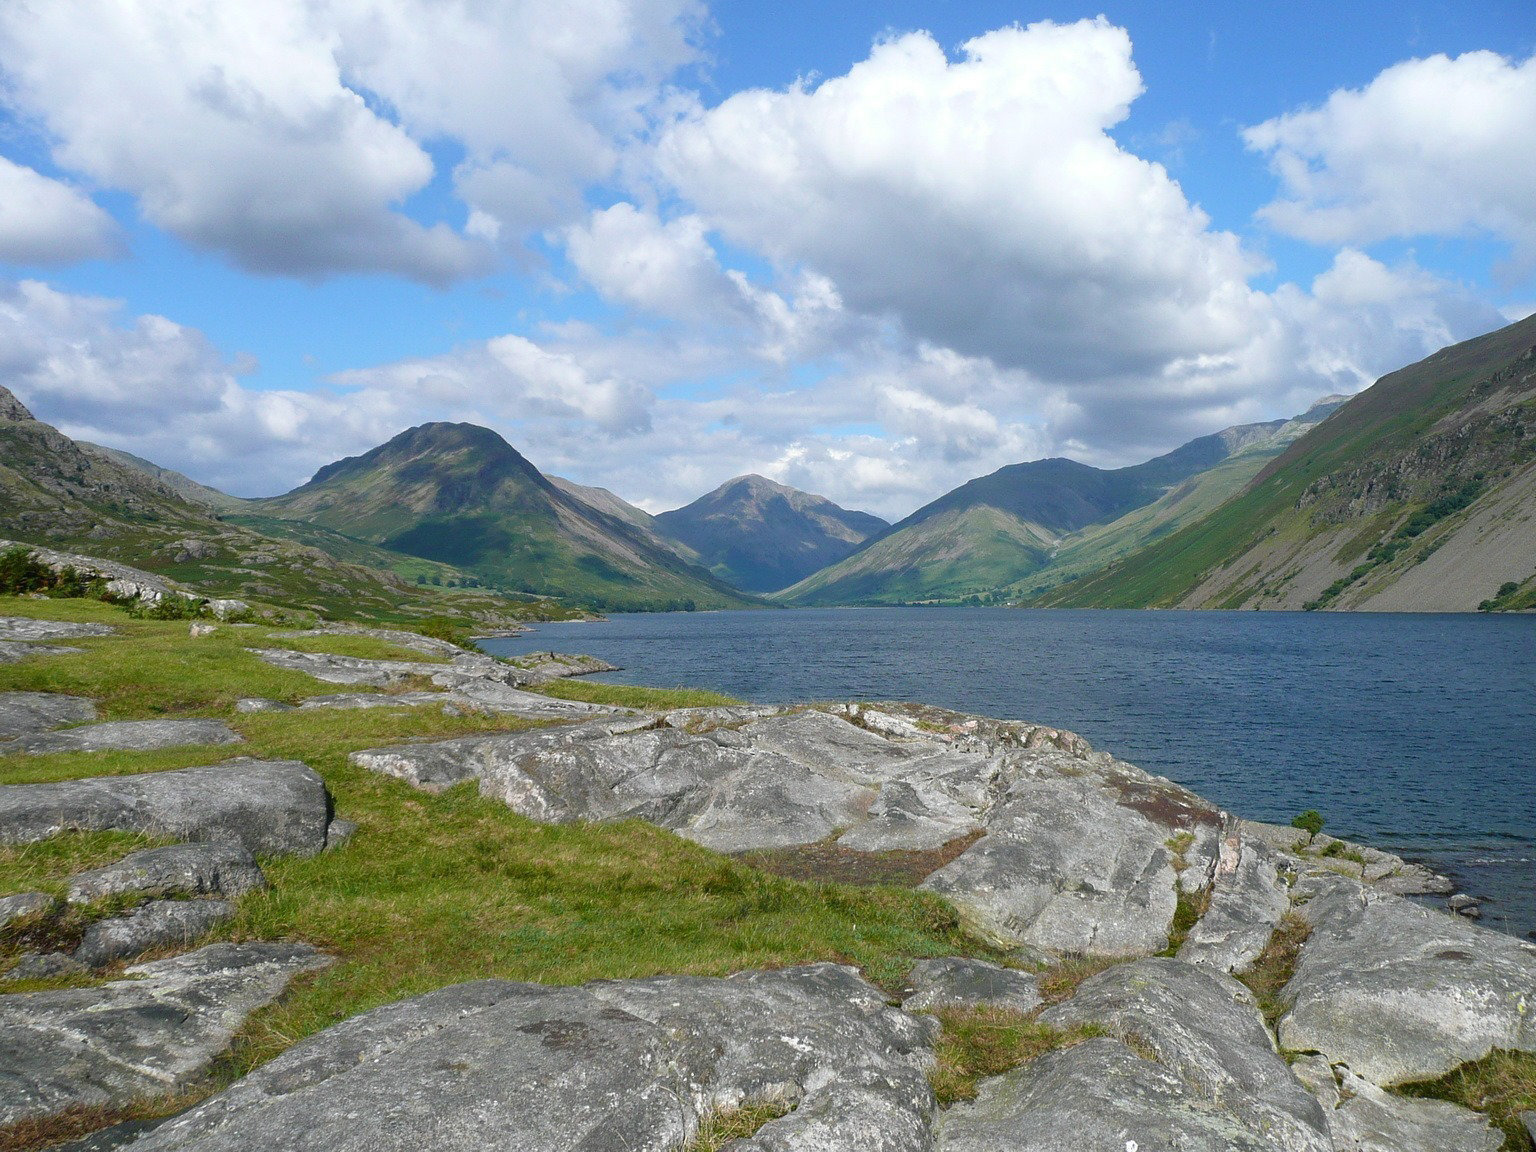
(23, 905)
(1203, 1027)
(1247, 902)
(1364, 1118)
(426, 645)
(1076, 855)
(1382, 870)
(961, 981)
(144, 1036)
(272, 807)
(1398, 992)
(24, 630)
(157, 924)
(125, 735)
(542, 667)
(618, 1066)
(45, 966)
(14, 652)
(226, 869)
(25, 713)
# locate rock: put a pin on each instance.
(123, 582)
(43, 966)
(1460, 901)
(338, 833)
(156, 924)
(224, 609)
(124, 735)
(26, 713)
(13, 652)
(1096, 1095)
(272, 807)
(147, 1035)
(1247, 901)
(958, 980)
(1203, 1027)
(1364, 1118)
(426, 645)
(22, 629)
(110, 1139)
(614, 1065)
(258, 704)
(22, 906)
(177, 870)
(1529, 1120)
(1400, 992)
(542, 667)
(200, 628)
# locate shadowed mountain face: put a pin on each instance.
(763, 536)
(1417, 495)
(460, 494)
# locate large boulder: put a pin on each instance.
(125, 735)
(226, 869)
(148, 1035)
(627, 1066)
(1204, 1028)
(26, 713)
(271, 807)
(1399, 992)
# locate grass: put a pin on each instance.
(1500, 1085)
(1267, 976)
(1186, 914)
(1060, 981)
(78, 1121)
(718, 1128)
(987, 1040)
(362, 647)
(46, 866)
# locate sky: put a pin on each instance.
(870, 250)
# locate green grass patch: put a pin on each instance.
(718, 1128)
(341, 644)
(1267, 976)
(1501, 1085)
(988, 1040)
(634, 696)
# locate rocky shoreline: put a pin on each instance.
(1052, 852)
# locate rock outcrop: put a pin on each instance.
(621, 1065)
(157, 924)
(124, 735)
(29, 713)
(1364, 1118)
(226, 869)
(271, 807)
(961, 981)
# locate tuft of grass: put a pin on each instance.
(1501, 1086)
(980, 1041)
(1060, 980)
(79, 1120)
(720, 1126)
(1267, 976)
(1186, 914)
(634, 696)
(47, 865)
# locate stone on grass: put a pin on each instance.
(177, 870)
(23, 905)
(148, 1035)
(125, 735)
(1399, 992)
(272, 807)
(960, 981)
(45, 966)
(608, 1066)
(157, 924)
(25, 630)
(1365, 1118)
(26, 713)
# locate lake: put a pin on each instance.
(1415, 733)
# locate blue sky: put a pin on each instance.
(869, 250)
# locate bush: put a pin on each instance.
(1310, 822)
(21, 574)
(169, 607)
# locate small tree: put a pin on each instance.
(1310, 822)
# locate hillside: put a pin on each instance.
(1028, 526)
(1417, 495)
(762, 536)
(461, 495)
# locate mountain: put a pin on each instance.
(606, 501)
(763, 536)
(184, 486)
(1417, 495)
(461, 495)
(998, 535)
(83, 498)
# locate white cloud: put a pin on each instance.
(980, 201)
(290, 134)
(43, 221)
(1438, 146)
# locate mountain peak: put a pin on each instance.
(12, 408)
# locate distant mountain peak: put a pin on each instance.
(12, 408)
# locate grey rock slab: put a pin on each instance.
(1365, 1118)
(1248, 900)
(624, 1066)
(1204, 1027)
(14, 652)
(45, 966)
(272, 807)
(25, 630)
(961, 981)
(1095, 1095)
(261, 704)
(176, 870)
(147, 1035)
(125, 735)
(1399, 992)
(338, 833)
(26, 713)
(123, 581)
(542, 667)
(426, 645)
(157, 924)
(22, 905)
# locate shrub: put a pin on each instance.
(1310, 822)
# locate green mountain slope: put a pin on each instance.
(1028, 526)
(759, 535)
(82, 498)
(461, 495)
(1419, 494)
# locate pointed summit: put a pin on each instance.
(12, 408)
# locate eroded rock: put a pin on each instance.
(27, 713)
(272, 807)
(1364, 1118)
(1247, 901)
(147, 1035)
(25, 630)
(962, 981)
(623, 1065)
(176, 870)
(157, 924)
(22, 906)
(125, 735)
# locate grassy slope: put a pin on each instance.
(1386, 418)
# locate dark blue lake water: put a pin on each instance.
(1410, 732)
